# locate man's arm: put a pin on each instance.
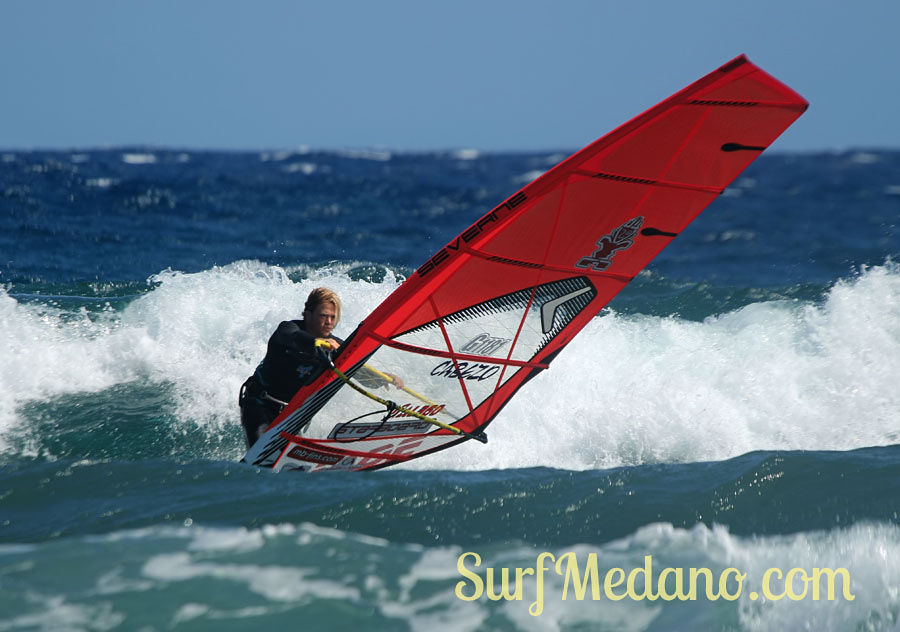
(290, 338)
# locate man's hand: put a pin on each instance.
(331, 342)
(396, 380)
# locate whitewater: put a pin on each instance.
(794, 375)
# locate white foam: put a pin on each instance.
(275, 582)
(189, 612)
(866, 551)
(467, 154)
(56, 613)
(306, 168)
(139, 159)
(416, 584)
(237, 540)
(629, 390)
(644, 389)
(425, 597)
(49, 352)
(204, 333)
(864, 158)
(279, 583)
(277, 156)
(375, 155)
(100, 183)
(529, 176)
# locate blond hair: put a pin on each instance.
(323, 295)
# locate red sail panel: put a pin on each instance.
(666, 165)
(494, 306)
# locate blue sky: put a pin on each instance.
(414, 75)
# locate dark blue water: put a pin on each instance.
(736, 406)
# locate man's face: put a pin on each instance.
(321, 320)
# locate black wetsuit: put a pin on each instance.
(291, 362)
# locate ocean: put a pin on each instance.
(717, 450)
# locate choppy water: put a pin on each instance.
(736, 406)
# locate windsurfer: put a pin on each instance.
(291, 361)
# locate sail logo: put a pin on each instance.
(489, 221)
(299, 453)
(621, 238)
(429, 410)
(349, 432)
(465, 370)
(484, 345)
(548, 309)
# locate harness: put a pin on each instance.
(252, 388)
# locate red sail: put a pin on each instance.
(495, 305)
